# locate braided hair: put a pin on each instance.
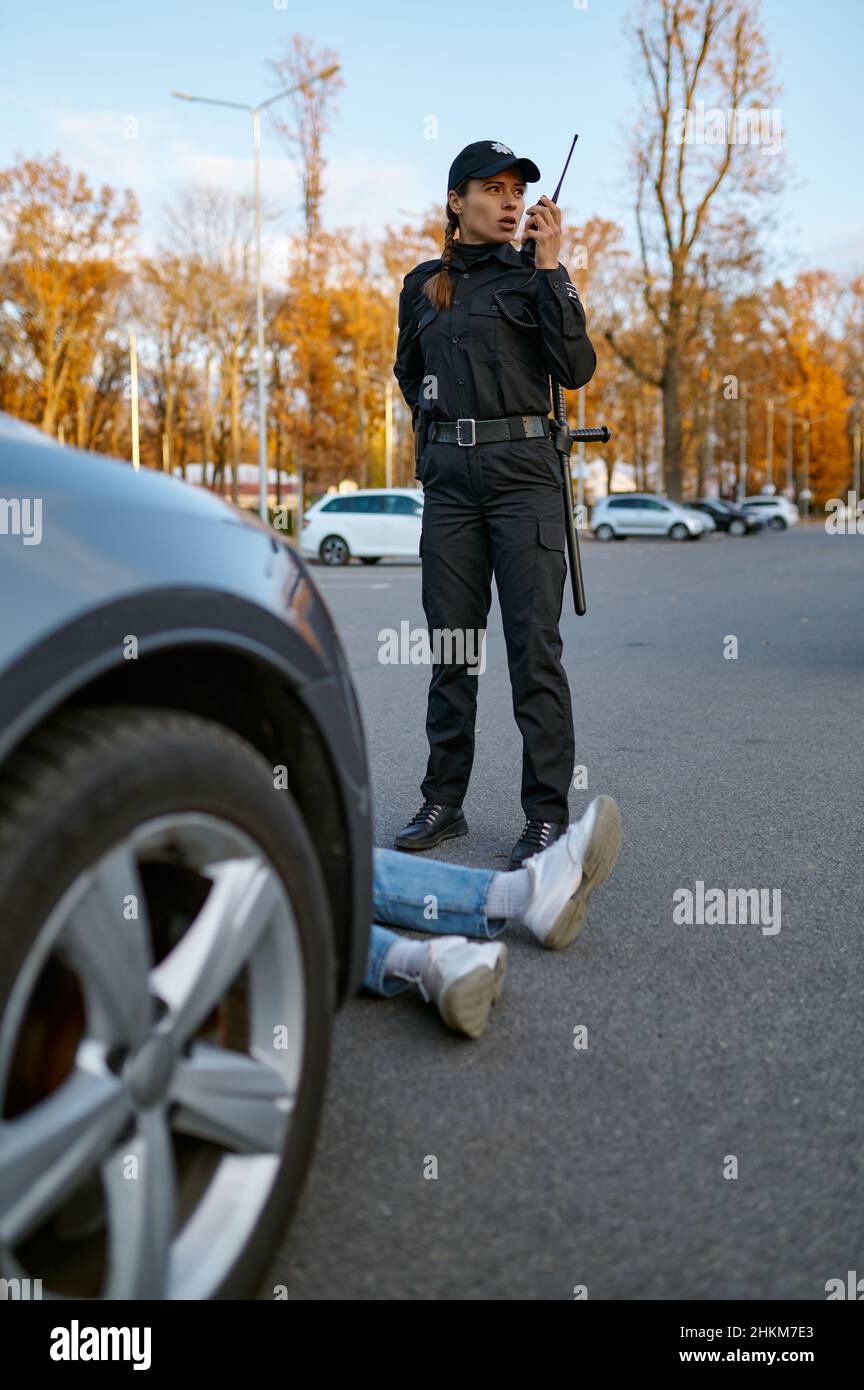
(440, 286)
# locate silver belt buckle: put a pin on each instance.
(466, 443)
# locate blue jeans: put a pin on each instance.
(425, 895)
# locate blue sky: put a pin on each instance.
(531, 75)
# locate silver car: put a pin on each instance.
(644, 514)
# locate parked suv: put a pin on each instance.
(185, 877)
(368, 524)
(776, 512)
(644, 514)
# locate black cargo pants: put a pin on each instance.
(497, 508)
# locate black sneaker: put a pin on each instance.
(432, 824)
(537, 835)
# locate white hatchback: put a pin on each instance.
(368, 525)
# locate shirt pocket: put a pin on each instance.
(483, 328)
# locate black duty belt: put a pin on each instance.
(467, 431)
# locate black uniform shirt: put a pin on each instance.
(469, 360)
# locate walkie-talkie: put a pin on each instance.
(529, 248)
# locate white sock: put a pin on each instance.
(509, 895)
(406, 958)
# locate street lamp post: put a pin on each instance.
(259, 285)
(741, 490)
(387, 383)
(804, 493)
(133, 389)
(711, 438)
(769, 441)
(784, 401)
(388, 433)
(259, 313)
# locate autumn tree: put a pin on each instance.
(314, 378)
(705, 65)
(212, 243)
(169, 311)
(806, 324)
(853, 370)
(65, 264)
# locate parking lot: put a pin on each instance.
(611, 1166)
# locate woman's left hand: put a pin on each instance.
(544, 228)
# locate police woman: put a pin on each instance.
(480, 329)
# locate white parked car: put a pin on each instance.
(775, 511)
(367, 524)
(644, 514)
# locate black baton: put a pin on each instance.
(563, 438)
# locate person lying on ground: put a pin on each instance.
(548, 895)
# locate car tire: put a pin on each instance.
(605, 532)
(159, 790)
(679, 532)
(778, 523)
(334, 551)
(737, 527)
(369, 559)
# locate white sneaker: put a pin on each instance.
(564, 875)
(464, 979)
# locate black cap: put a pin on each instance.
(485, 158)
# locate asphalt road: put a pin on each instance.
(604, 1167)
